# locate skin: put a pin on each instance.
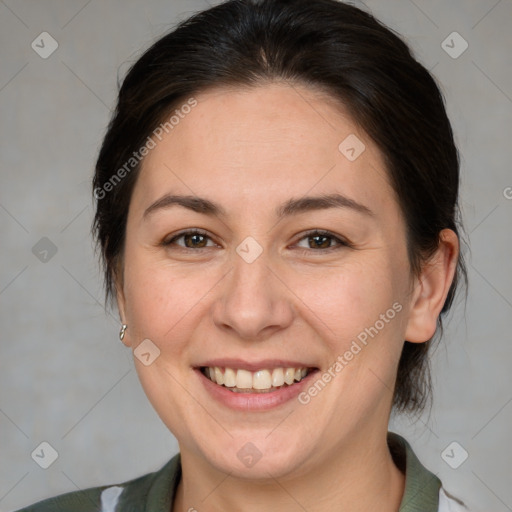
(250, 150)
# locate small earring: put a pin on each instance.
(122, 331)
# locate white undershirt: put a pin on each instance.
(447, 504)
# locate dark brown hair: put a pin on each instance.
(324, 44)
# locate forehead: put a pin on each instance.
(263, 145)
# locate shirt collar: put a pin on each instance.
(421, 493)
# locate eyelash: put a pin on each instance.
(316, 232)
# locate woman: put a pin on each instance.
(277, 214)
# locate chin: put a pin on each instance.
(255, 460)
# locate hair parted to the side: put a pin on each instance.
(324, 44)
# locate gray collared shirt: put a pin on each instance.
(155, 492)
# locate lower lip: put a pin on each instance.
(253, 401)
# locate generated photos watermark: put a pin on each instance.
(137, 156)
(344, 359)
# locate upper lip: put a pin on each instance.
(253, 366)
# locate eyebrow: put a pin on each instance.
(290, 207)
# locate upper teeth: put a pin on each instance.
(261, 379)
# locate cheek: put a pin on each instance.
(357, 311)
(350, 297)
(160, 299)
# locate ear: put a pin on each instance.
(431, 289)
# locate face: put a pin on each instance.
(250, 276)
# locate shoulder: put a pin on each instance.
(106, 498)
(423, 489)
(87, 500)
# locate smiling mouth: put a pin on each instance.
(261, 381)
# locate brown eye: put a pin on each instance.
(195, 240)
(191, 240)
(320, 242)
(323, 241)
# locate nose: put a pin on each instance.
(254, 303)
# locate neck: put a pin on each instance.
(358, 476)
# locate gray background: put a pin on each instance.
(65, 377)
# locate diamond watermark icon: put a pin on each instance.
(454, 455)
(44, 250)
(44, 45)
(352, 147)
(249, 250)
(249, 455)
(454, 45)
(44, 455)
(146, 352)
